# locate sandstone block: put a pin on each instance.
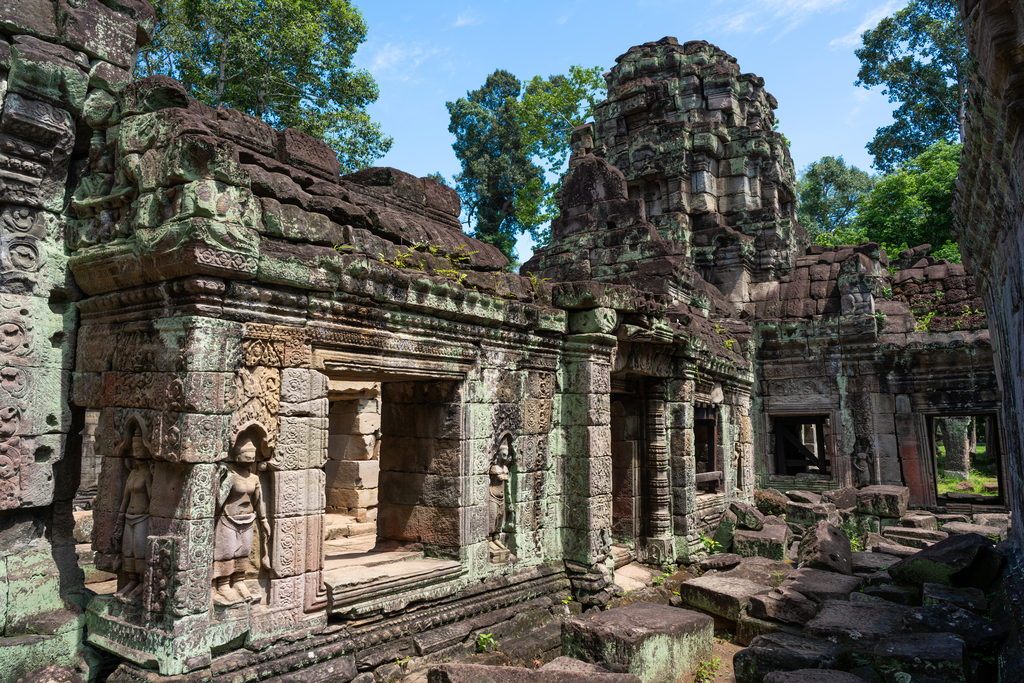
(826, 547)
(883, 501)
(783, 604)
(843, 498)
(842, 621)
(976, 631)
(653, 642)
(808, 514)
(941, 656)
(812, 676)
(481, 673)
(959, 529)
(809, 497)
(747, 516)
(901, 595)
(770, 542)
(720, 594)
(307, 153)
(786, 652)
(353, 474)
(972, 599)
(967, 560)
(913, 537)
(820, 586)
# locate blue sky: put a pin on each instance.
(424, 53)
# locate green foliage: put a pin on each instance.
(549, 111)
(485, 642)
(914, 204)
(919, 57)
(857, 543)
(711, 546)
(496, 163)
(507, 138)
(706, 668)
(829, 191)
(438, 178)
(288, 62)
(949, 251)
(924, 323)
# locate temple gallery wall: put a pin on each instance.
(246, 430)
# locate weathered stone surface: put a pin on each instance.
(993, 533)
(912, 536)
(972, 599)
(647, 640)
(941, 655)
(950, 562)
(820, 585)
(842, 621)
(720, 594)
(783, 604)
(574, 665)
(725, 530)
(770, 542)
(720, 561)
(770, 502)
(826, 547)
(809, 497)
(901, 595)
(808, 514)
(843, 498)
(785, 652)
(478, 673)
(920, 520)
(747, 516)
(977, 632)
(811, 676)
(883, 501)
(864, 561)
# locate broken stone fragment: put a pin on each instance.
(972, 599)
(747, 516)
(770, 542)
(770, 501)
(809, 497)
(820, 585)
(826, 547)
(967, 560)
(721, 594)
(786, 652)
(812, 676)
(913, 537)
(783, 604)
(883, 501)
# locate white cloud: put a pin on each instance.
(468, 18)
(399, 61)
(871, 19)
(781, 16)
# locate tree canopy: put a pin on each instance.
(914, 204)
(829, 193)
(496, 164)
(919, 57)
(288, 62)
(508, 138)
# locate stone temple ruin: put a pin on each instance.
(317, 430)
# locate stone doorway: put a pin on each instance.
(627, 447)
(967, 459)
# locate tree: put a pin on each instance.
(548, 112)
(288, 62)
(919, 57)
(914, 204)
(496, 164)
(829, 191)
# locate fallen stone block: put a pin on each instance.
(872, 562)
(760, 570)
(826, 547)
(976, 631)
(783, 604)
(770, 501)
(842, 621)
(972, 599)
(804, 497)
(807, 514)
(720, 561)
(770, 542)
(913, 537)
(918, 520)
(870, 599)
(720, 594)
(883, 501)
(995, 519)
(820, 585)
(843, 498)
(966, 560)
(812, 676)
(480, 673)
(747, 516)
(786, 652)
(942, 655)
(726, 528)
(901, 595)
(570, 664)
(650, 641)
(748, 628)
(880, 544)
(959, 529)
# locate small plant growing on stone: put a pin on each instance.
(880, 319)
(706, 668)
(711, 546)
(857, 543)
(778, 577)
(730, 343)
(485, 642)
(924, 323)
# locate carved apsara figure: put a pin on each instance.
(133, 520)
(239, 506)
(861, 469)
(496, 494)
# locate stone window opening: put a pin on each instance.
(967, 459)
(394, 493)
(801, 445)
(707, 449)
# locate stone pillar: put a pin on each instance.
(954, 432)
(657, 543)
(584, 385)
